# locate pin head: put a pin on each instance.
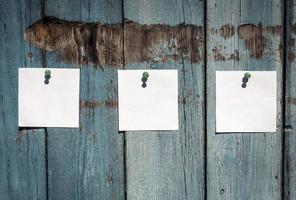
(247, 75)
(146, 74)
(47, 72)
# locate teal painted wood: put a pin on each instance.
(243, 166)
(22, 153)
(88, 163)
(290, 117)
(169, 165)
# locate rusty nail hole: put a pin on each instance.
(222, 191)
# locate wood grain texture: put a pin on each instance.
(102, 44)
(243, 166)
(87, 163)
(22, 153)
(290, 108)
(168, 164)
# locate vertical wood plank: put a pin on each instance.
(168, 165)
(290, 104)
(243, 35)
(22, 153)
(88, 163)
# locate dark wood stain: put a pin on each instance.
(255, 39)
(291, 100)
(275, 30)
(255, 42)
(281, 51)
(293, 28)
(110, 103)
(217, 55)
(102, 44)
(160, 43)
(290, 47)
(291, 56)
(226, 31)
(78, 42)
(234, 56)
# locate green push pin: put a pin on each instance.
(144, 79)
(47, 72)
(246, 79)
(47, 76)
(247, 75)
(145, 75)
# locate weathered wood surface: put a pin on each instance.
(244, 35)
(101, 44)
(168, 165)
(22, 153)
(290, 106)
(88, 163)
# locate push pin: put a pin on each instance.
(144, 79)
(47, 76)
(246, 79)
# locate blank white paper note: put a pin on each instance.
(154, 107)
(249, 109)
(55, 104)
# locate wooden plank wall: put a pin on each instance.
(97, 162)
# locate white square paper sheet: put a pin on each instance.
(250, 109)
(48, 105)
(152, 108)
